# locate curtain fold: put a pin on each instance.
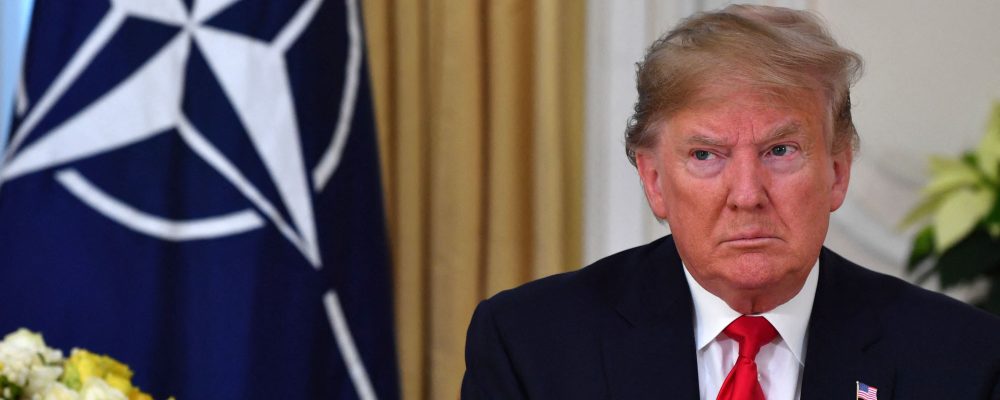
(479, 107)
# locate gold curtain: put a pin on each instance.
(479, 106)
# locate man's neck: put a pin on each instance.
(791, 318)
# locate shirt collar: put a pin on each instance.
(712, 314)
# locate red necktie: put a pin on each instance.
(751, 333)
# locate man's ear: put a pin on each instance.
(648, 167)
(841, 177)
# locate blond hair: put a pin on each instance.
(775, 49)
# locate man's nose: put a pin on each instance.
(746, 179)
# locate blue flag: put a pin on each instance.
(192, 187)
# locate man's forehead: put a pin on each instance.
(765, 113)
(724, 91)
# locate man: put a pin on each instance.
(743, 140)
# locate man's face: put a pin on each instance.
(747, 183)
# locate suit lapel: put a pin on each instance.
(651, 353)
(844, 340)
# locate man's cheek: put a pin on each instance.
(785, 166)
(704, 169)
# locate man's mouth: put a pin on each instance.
(750, 239)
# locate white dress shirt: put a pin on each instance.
(779, 363)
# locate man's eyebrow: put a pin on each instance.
(704, 140)
(781, 132)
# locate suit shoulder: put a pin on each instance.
(528, 342)
(947, 316)
(908, 305)
(594, 286)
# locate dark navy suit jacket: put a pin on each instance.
(621, 328)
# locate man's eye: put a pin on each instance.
(701, 155)
(780, 150)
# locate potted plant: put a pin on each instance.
(960, 214)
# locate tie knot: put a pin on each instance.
(751, 333)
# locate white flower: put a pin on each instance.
(41, 379)
(98, 389)
(24, 338)
(25, 357)
(57, 391)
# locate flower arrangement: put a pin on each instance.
(31, 370)
(960, 210)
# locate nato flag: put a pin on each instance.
(192, 187)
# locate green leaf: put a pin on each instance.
(924, 209)
(970, 159)
(994, 229)
(993, 218)
(9, 388)
(923, 247)
(974, 256)
(71, 377)
(939, 164)
(988, 152)
(958, 214)
(948, 175)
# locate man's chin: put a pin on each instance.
(764, 257)
(754, 294)
(755, 272)
(754, 284)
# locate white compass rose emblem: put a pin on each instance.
(259, 92)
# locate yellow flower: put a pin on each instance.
(138, 395)
(82, 366)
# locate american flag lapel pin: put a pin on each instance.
(866, 392)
